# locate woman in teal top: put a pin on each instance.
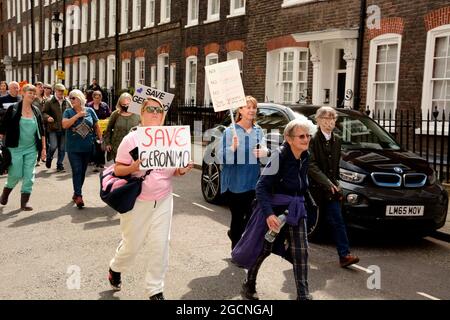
(23, 133)
(81, 126)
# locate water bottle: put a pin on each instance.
(272, 234)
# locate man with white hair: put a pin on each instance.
(11, 98)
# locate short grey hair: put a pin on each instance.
(300, 122)
(324, 111)
(78, 94)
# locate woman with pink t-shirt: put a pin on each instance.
(152, 210)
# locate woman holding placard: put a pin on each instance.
(241, 148)
(152, 213)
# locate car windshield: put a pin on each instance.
(362, 133)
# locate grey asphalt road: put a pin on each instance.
(44, 251)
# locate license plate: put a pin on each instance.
(404, 211)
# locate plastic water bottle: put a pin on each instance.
(272, 234)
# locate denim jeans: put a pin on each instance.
(57, 140)
(79, 162)
(334, 218)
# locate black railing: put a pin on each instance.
(424, 133)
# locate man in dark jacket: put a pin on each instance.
(325, 150)
(53, 111)
(11, 98)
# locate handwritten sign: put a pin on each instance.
(225, 85)
(143, 92)
(164, 147)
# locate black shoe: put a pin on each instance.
(158, 296)
(60, 169)
(307, 297)
(249, 290)
(48, 163)
(114, 280)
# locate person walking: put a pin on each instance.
(101, 109)
(152, 213)
(281, 188)
(119, 124)
(242, 146)
(81, 127)
(53, 116)
(23, 133)
(325, 149)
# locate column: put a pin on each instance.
(314, 48)
(349, 57)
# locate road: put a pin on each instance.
(44, 251)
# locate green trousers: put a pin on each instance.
(22, 167)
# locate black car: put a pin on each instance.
(384, 186)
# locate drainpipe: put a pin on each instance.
(32, 42)
(63, 64)
(116, 43)
(362, 16)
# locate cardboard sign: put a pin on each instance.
(143, 92)
(225, 85)
(103, 124)
(164, 147)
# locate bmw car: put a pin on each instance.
(385, 187)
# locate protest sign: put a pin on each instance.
(164, 147)
(225, 85)
(103, 124)
(143, 92)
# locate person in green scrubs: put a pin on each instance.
(23, 133)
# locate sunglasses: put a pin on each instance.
(72, 98)
(302, 136)
(152, 109)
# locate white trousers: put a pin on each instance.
(152, 221)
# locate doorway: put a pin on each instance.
(340, 89)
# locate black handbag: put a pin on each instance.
(5, 159)
(120, 193)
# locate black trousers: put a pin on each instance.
(99, 154)
(241, 209)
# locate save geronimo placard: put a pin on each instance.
(225, 85)
(164, 147)
(143, 92)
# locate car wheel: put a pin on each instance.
(211, 182)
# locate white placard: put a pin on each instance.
(164, 147)
(225, 85)
(143, 92)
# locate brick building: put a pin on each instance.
(381, 54)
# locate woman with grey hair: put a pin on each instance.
(280, 189)
(81, 126)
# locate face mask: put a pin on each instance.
(124, 109)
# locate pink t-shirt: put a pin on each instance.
(158, 184)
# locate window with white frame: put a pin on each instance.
(191, 80)
(24, 37)
(91, 71)
(124, 16)
(112, 18)
(46, 2)
(46, 33)
(139, 72)
(67, 75)
(236, 55)
(137, 8)
(126, 71)
(289, 3)
(8, 9)
(75, 82)
(83, 71)
(213, 13)
(101, 72)
(436, 85)
(93, 20)
(173, 75)
(19, 14)
(46, 74)
(36, 36)
(165, 11)
(52, 39)
(9, 44)
(149, 13)
(211, 59)
(192, 13)
(384, 58)
(102, 19)
(84, 22)
(286, 74)
(163, 73)
(36, 3)
(14, 38)
(69, 24)
(153, 76)
(237, 7)
(110, 70)
(30, 44)
(52, 74)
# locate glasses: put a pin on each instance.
(302, 136)
(328, 118)
(72, 98)
(151, 109)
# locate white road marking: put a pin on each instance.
(427, 296)
(361, 268)
(199, 205)
(175, 195)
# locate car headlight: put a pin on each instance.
(351, 176)
(432, 178)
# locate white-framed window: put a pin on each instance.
(382, 84)
(75, 82)
(137, 9)
(102, 19)
(139, 71)
(153, 76)
(124, 16)
(30, 75)
(213, 13)
(36, 3)
(69, 25)
(239, 56)
(110, 70)
(76, 31)
(436, 83)
(92, 70)
(67, 75)
(289, 3)
(149, 13)
(46, 74)
(211, 59)
(24, 6)
(8, 9)
(52, 74)
(83, 71)
(101, 72)
(163, 73)
(191, 80)
(30, 37)
(10, 44)
(286, 74)
(192, 14)
(165, 11)
(19, 50)
(112, 18)
(36, 36)
(14, 41)
(46, 2)
(126, 73)
(19, 14)
(46, 33)
(237, 7)
(24, 37)
(84, 22)
(93, 20)
(52, 38)
(173, 75)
